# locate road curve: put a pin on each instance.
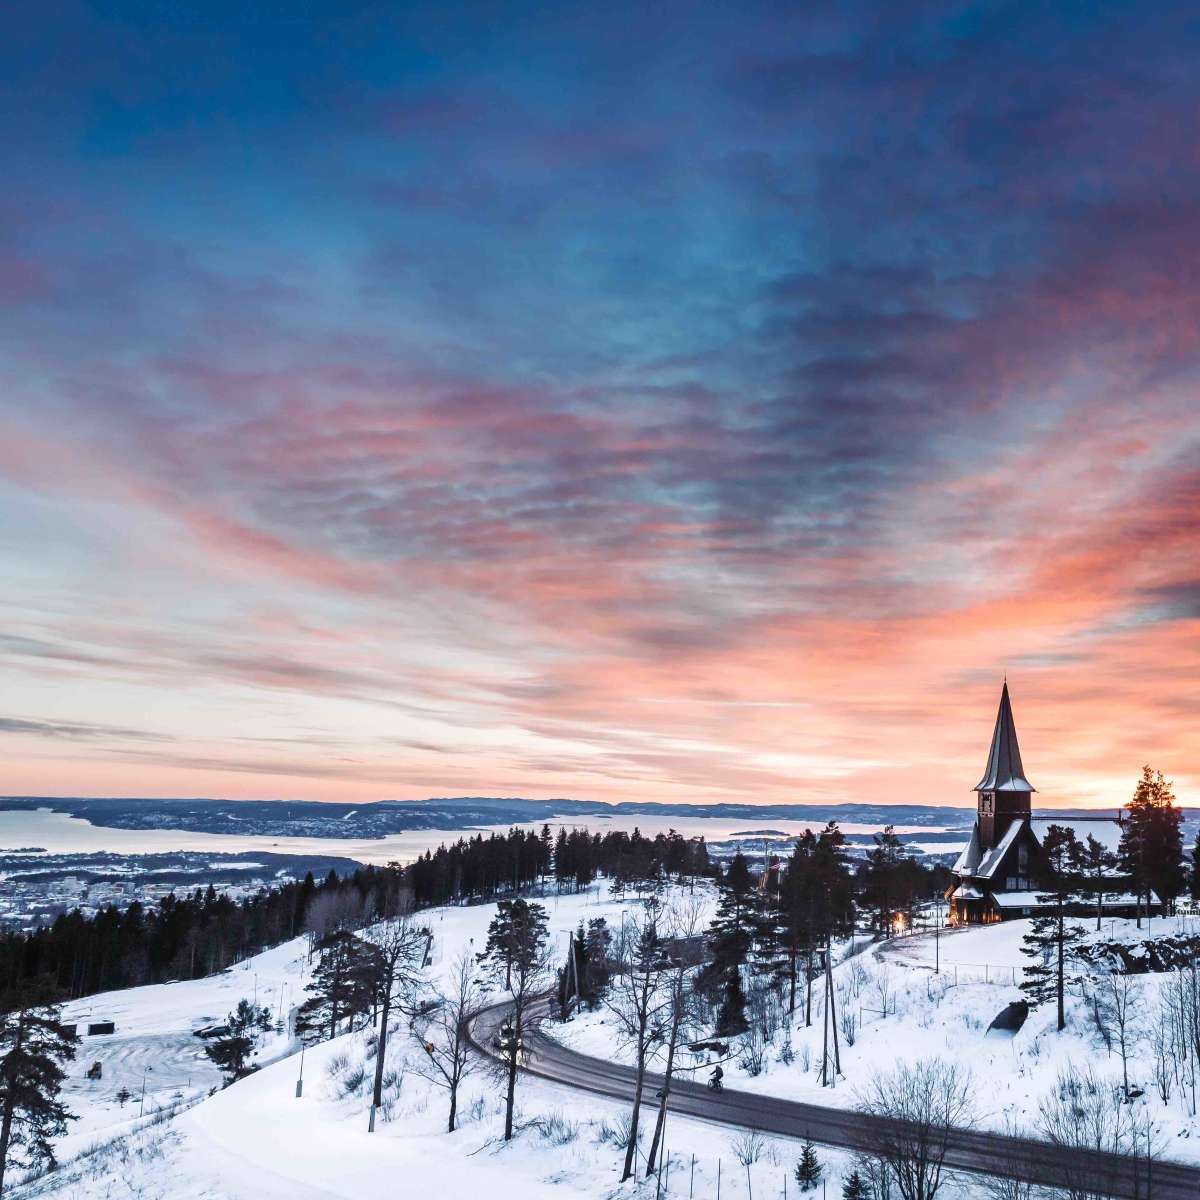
(969, 1150)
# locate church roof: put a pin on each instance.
(994, 857)
(1004, 772)
(1106, 830)
(968, 860)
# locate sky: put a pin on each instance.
(676, 402)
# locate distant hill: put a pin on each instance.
(312, 818)
(307, 818)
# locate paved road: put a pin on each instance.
(970, 1150)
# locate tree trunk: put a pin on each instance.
(631, 1148)
(6, 1123)
(453, 1107)
(1062, 1019)
(381, 1050)
(662, 1104)
(792, 982)
(513, 1052)
(5, 1135)
(808, 988)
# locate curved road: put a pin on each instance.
(969, 1150)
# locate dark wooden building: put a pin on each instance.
(997, 871)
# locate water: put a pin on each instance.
(63, 834)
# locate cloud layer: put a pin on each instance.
(629, 404)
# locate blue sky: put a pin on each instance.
(671, 401)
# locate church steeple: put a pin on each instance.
(1004, 772)
(1003, 793)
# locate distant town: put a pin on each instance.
(36, 886)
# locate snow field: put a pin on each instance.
(257, 1141)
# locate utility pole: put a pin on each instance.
(828, 1077)
(937, 925)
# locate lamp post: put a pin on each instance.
(300, 1078)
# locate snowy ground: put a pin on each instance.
(257, 1141)
(946, 1014)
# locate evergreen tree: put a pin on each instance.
(1194, 873)
(33, 1047)
(597, 961)
(515, 952)
(563, 866)
(509, 935)
(795, 912)
(815, 901)
(881, 877)
(854, 1188)
(808, 1170)
(572, 975)
(1152, 841)
(1097, 863)
(342, 986)
(232, 1051)
(730, 939)
(1050, 938)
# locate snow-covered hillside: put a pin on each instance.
(257, 1140)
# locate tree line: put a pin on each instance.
(190, 936)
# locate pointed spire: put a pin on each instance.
(1004, 771)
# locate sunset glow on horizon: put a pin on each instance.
(649, 405)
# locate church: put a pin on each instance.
(996, 872)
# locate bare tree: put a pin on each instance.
(1017, 1182)
(1116, 1009)
(333, 910)
(636, 998)
(1085, 1114)
(400, 950)
(684, 921)
(1179, 1000)
(447, 1046)
(876, 1174)
(922, 1103)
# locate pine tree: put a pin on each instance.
(854, 1188)
(515, 952)
(808, 1169)
(1097, 863)
(509, 934)
(795, 914)
(572, 978)
(597, 956)
(33, 1047)
(342, 986)
(232, 1052)
(1151, 849)
(881, 876)
(1194, 873)
(1050, 938)
(730, 940)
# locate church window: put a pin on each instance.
(985, 802)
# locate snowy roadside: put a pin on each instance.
(892, 1007)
